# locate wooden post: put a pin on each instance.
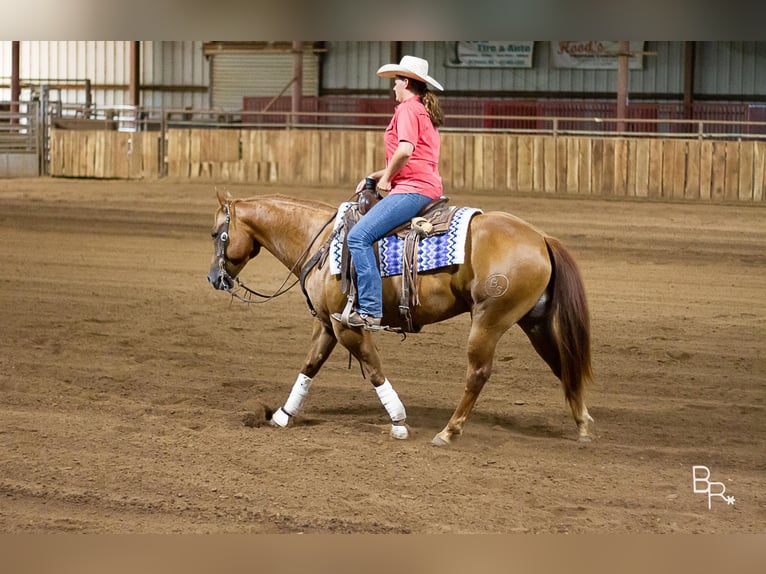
(396, 52)
(297, 81)
(689, 57)
(15, 81)
(135, 74)
(623, 61)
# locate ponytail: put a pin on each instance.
(434, 109)
(429, 100)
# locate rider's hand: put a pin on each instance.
(383, 185)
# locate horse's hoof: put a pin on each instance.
(585, 438)
(439, 441)
(399, 432)
(279, 419)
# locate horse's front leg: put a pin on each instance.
(361, 345)
(323, 341)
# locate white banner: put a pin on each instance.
(594, 54)
(489, 54)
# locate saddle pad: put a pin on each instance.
(433, 252)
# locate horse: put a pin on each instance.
(512, 273)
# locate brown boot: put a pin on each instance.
(357, 319)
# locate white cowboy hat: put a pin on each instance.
(410, 67)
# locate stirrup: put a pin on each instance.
(356, 320)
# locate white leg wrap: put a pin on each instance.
(298, 394)
(391, 401)
(294, 402)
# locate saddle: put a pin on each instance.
(433, 219)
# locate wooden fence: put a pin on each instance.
(694, 169)
(104, 154)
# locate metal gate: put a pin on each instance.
(20, 139)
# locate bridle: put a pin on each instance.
(229, 281)
(222, 240)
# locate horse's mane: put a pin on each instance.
(313, 204)
(299, 201)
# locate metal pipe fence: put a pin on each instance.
(130, 118)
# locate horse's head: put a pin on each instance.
(233, 245)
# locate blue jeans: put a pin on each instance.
(388, 213)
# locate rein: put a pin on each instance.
(223, 239)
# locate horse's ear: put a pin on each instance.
(224, 197)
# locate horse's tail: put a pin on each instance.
(570, 321)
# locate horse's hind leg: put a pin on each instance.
(482, 342)
(323, 341)
(538, 327)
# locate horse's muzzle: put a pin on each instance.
(219, 280)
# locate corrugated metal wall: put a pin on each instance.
(174, 74)
(177, 69)
(352, 65)
(65, 65)
(240, 74)
(733, 68)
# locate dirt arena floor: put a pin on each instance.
(132, 393)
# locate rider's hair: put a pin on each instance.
(429, 99)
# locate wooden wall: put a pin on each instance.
(707, 170)
(104, 154)
(714, 170)
(314, 157)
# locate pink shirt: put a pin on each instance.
(411, 123)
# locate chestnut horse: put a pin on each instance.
(512, 274)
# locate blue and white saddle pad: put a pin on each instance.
(433, 252)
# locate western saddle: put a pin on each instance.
(433, 219)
